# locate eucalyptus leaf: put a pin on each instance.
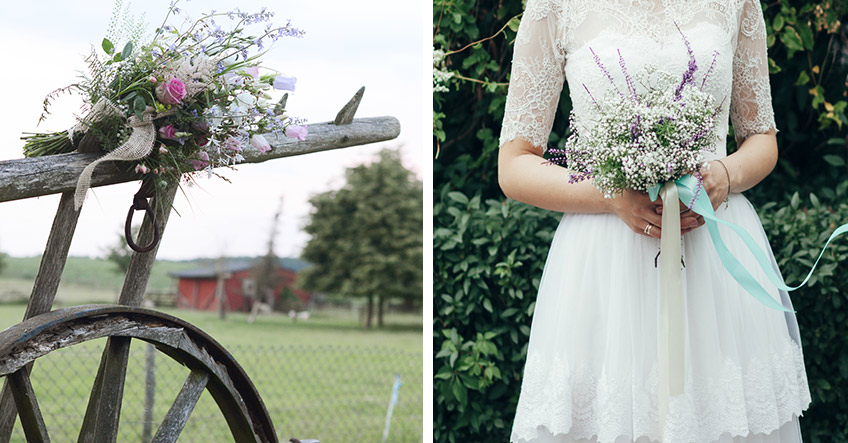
(127, 52)
(107, 46)
(138, 106)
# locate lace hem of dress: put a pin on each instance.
(756, 399)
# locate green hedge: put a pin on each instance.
(797, 230)
(488, 259)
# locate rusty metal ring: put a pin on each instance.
(140, 203)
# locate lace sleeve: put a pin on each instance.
(750, 101)
(537, 75)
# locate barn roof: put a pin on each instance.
(211, 269)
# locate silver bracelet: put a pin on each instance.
(726, 171)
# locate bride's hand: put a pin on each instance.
(638, 211)
(716, 182)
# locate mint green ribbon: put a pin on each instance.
(686, 186)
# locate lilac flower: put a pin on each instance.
(284, 83)
(259, 142)
(295, 131)
(233, 144)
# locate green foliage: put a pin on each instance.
(807, 43)
(367, 236)
(797, 231)
(467, 117)
(487, 266)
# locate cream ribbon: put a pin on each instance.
(138, 145)
(671, 333)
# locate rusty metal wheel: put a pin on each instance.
(212, 369)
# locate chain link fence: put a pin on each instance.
(328, 393)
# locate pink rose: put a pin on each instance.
(259, 142)
(171, 92)
(295, 131)
(168, 132)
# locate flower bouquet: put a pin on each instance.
(190, 99)
(642, 139)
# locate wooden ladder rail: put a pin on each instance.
(32, 177)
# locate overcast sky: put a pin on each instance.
(375, 43)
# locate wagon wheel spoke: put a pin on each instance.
(176, 418)
(27, 405)
(104, 405)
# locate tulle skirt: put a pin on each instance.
(591, 370)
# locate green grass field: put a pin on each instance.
(326, 378)
(84, 279)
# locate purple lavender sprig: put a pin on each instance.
(709, 71)
(698, 187)
(631, 85)
(635, 127)
(689, 74)
(591, 96)
(605, 71)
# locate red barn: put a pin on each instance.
(196, 287)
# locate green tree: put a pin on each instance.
(367, 236)
(265, 269)
(120, 253)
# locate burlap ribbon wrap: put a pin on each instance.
(138, 145)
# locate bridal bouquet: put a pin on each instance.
(642, 139)
(191, 98)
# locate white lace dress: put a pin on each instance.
(591, 370)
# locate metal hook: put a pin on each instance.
(140, 203)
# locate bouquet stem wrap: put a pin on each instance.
(670, 369)
(138, 145)
(671, 329)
